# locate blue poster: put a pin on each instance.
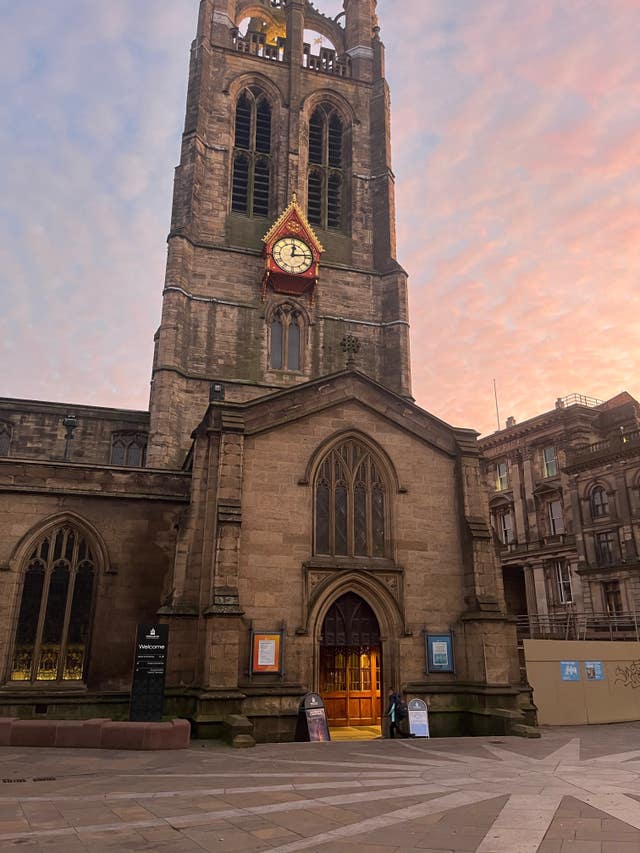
(594, 670)
(440, 653)
(570, 670)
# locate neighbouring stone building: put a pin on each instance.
(284, 506)
(565, 504)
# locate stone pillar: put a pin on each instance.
(530, 589)
(519, 509)
(529, 498)
(540, 589)
(217, 21)
(481, 564)
(224, 622)
(629, 550)
(361, 19)
(296, 183)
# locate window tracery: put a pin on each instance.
(129, 449)
(5, 438)
(286, 338)
(325, 180)
(251, 182)
(52, 633)
(351, 504)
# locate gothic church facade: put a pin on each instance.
(284, 506)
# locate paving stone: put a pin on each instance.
(550, 845)
(617, 846)
(483, 794)
(581, 847)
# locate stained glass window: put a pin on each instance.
(351, 509)
(55, 611)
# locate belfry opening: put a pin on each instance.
(350, 664)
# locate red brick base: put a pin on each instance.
(94, 734)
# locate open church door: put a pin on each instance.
(350, 658)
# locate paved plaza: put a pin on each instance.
(573, 791)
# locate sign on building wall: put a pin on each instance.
(266, 652)
(149, 671)
(594, 670)
(439, 652)
(570, 670)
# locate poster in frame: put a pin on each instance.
(439, 652)
(266, 652)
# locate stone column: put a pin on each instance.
(224, 622)
(540, 589)
(295, 40)
(519, 508)
(530, 589)
(529, 498)
(629, 551)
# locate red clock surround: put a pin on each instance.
(291, 223)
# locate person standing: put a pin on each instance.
(396, 714)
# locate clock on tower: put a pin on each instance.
(292, 254)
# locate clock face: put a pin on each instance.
(292, 255)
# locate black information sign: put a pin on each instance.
(147, 690)
(312, 723)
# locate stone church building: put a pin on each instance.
(284, 506)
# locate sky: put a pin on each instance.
(516, 149)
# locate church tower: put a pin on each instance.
(287, 134)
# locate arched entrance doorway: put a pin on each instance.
(350, 659)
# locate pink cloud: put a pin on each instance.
(516, 147)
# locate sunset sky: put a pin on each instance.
(516, 133)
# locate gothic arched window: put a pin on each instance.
(350, 504)
(325, 181)
(599, 503)
(286, 336)
(52, 635)
(129, 449)
(5, 439)
(251, 182)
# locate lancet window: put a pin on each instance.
(52, 634)
(251, 182)
(351, 504)
(129, 449)
(287, 334)
(5, 438)
(325, 181)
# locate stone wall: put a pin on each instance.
(132, 514)
(38, 432)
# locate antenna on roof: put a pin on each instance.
(495, 393)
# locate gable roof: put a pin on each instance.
(275, 410)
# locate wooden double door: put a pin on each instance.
(350, 661)
(350, 686)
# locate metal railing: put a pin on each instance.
(578, 399)
(614, 444)
(579, 626)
